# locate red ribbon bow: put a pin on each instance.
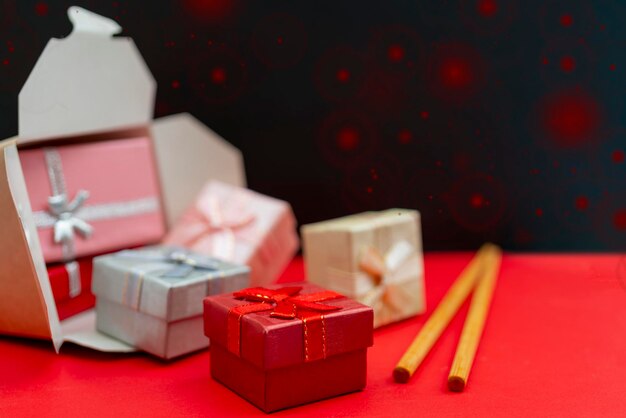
(285, 303)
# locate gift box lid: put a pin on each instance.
(271, 343)
(363, 221)
(161, 281)
(182, 144)
(86, 83)
(233, 200)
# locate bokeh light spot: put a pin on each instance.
(348, 139)
(487, 8)
(618, 156)
(566, 20)
(571, 118)
(456, 73)
(175, 84)
(477, 200)
(539, 212)
(395, 53)
(343, 75)
(612, 67)
(619, 219)
(218, 75)
(581, 203)
(567, 63)
(405, 136)
(41, 9)
(210, 10)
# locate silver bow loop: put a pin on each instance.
(183, 262)
(66, 222)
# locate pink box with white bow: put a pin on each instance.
(240, 226)
(92, 198)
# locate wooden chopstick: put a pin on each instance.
(474, 324)
(441, 316)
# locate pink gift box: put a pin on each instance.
(93, 197)
(240, 226)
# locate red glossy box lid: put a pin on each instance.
(271, 343)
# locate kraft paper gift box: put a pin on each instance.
(71, 286)
(241, 226)
(93, 198)
(90, 88)
(280, 347)
(373, 257)
(151, 298)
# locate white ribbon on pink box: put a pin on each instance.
(240, 226)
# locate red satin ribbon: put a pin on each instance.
(285, 303)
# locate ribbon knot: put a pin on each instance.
(178, 265)
(215, 225)
(285, 303)
(183, 257)
(66, 222)
(388, 272)
(183, 261)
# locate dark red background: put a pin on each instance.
(498, 120)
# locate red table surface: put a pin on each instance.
(554, 345)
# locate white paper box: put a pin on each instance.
(88, 86)
(373, 257)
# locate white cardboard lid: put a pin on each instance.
(188, 155)
(86, 83)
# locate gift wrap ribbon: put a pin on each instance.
(285, 303)
(215, 230)
(178, 264)
(73, 277)
(385, 277)
(215, 224)
(69, 217)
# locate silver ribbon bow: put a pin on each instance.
(66, 220)
(68, 217)
(182, 264)
(183, 261)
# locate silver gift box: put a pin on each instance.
(152, 297)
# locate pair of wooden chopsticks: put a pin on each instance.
(480, 275)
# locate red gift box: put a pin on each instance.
(71, 287)
(285, 346)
